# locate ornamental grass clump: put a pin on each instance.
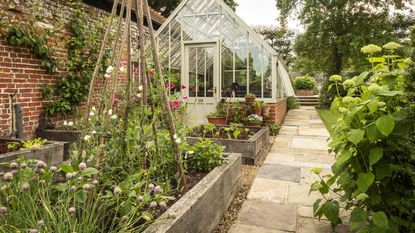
(374, 173)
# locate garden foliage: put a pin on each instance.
(374, 173)
(304, 82)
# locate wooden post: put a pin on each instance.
(141, 37)
(165, 102)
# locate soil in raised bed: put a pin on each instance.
(224, 132)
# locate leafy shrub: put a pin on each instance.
(204, 156)
(292, 103)
(327, 95)
(374, 171)
(304, 82)
(274, 129)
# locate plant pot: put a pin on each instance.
(254, 123)
(217, 120)
(304, 92)
(265, 111)
(258, 111)
(250, 100)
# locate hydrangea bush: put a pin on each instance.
(374, 173)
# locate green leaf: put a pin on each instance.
(80, 196)
(400, 115)
(380, 219)
(373, 133)
(66, 168)
(376, 60)
(385, 124)
(345, 156)
(373, 106)
(375, 154)
(331, 211)
(355, 135)
(89, 171)
(358, 218)
(364, 181)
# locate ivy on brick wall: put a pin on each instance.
(36, 40)
(71, 90)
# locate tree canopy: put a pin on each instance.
(335, 30)
(165, 7)
(280, 38)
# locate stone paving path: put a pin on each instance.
(279, 199)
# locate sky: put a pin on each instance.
(263, 13)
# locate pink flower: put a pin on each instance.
(152, 72)
(169, 85)
(185, 97)
(183, 86)
(115, 100)
(135, 70)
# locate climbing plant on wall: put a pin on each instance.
(68, 93)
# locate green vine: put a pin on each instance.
(36, 40)
(71, 90)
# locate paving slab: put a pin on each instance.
(241, 228)
(268, 214)
(317, 143)
(280, 172)
(266, 189)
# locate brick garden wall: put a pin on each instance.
(278, 111)
(21, 72)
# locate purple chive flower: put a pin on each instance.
(117, 191)
(82, 166)
(69, 175)
(23, 165)
(40, 164)
(72, 188)
(39, 170)
(26, 186)
(14, 172)
(3, 210)
(71, 210)
(157, 189)
(140, 198)
(8, 176)
(151, 186)
(163, 204)
(14, 165)
(40, 223)
(153, 204)
(53, 169)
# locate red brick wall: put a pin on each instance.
(304, 92)
(278, 111)
(21, 72)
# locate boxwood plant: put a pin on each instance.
(374, 173)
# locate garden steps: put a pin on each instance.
(279, 199)
(308, 100)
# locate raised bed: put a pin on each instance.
(201, 209)
(60, 135)
(249, 148)
(50, 153)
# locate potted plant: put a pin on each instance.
(265, 110)
(304, 85)
(218, 117)
(254, 120)
(258, 107)
(250, 98)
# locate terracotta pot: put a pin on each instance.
(217, 120)
(265, 111)
(258, 111)
(253, 124)
(250, 100)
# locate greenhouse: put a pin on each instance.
(211, 48)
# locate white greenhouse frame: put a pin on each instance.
(207, 22)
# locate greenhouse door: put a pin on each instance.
(201, 78)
